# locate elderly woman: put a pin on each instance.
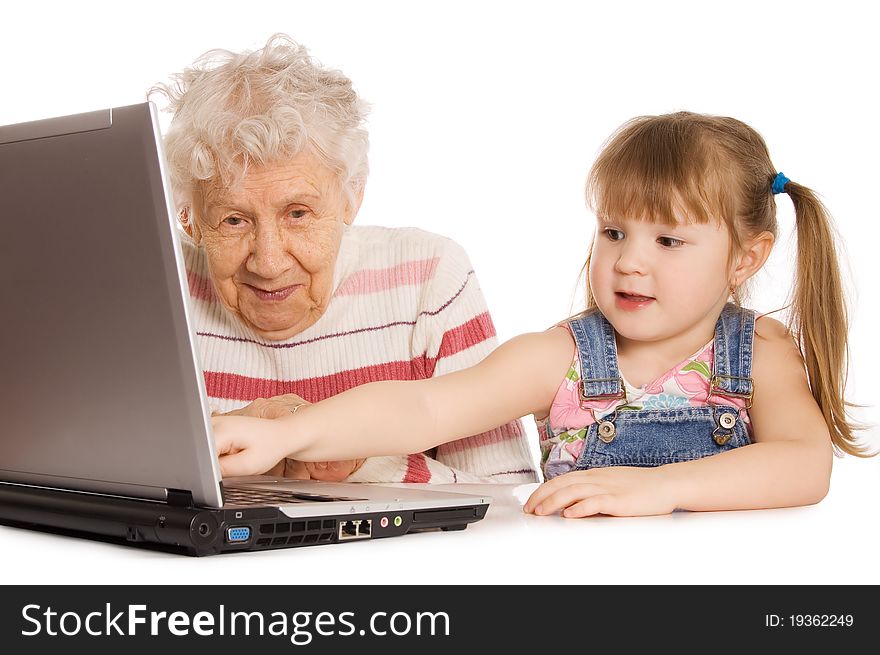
(268, 160)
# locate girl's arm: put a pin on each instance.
(397, 418)
(789, 464)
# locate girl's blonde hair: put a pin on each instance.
(712, 168)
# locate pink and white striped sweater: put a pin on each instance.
(406, 306)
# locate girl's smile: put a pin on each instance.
(630, 302)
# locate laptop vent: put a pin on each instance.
(295, 533)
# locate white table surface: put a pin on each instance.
(835, 541)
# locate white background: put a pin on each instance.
(487, 115)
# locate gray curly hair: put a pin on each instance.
(231, 110)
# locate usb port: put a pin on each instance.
(238, 535)
(355, 529)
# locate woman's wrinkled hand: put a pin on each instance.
(271, 408)
(615, 490)
(333, 471)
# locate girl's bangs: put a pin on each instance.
(659, 169)
(666, 196)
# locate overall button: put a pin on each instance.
(727, 420)
(722, 438)
(607, 431)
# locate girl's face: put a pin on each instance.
(655, 282)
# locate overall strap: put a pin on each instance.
(600, 377)
(732, 370)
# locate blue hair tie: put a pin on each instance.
(779, 183)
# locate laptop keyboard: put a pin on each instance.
(248, 496)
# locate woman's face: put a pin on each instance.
(272, 243)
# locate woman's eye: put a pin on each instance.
(298, 213)
(233, 221)
(670, 242)
(613, 235)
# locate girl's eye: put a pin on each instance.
(612, 234)
(670, 242)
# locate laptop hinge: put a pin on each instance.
(179, 497)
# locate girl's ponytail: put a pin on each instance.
(818, 318)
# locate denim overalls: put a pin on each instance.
(663, 436)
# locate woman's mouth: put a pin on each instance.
(274, 295)
(631, 301)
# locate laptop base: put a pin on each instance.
(205, 531)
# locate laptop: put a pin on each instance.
(104, 423)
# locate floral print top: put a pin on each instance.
(563, 431)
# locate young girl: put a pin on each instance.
(665, 393)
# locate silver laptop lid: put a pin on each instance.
(100, 388)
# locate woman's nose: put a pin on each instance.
(269, 257)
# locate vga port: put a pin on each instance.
(238, 534)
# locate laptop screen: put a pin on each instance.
(101, 390)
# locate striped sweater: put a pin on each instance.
(406, 306)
